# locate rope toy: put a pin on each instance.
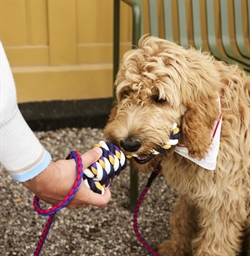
(173, 140)
(101, 173)
(96, 177)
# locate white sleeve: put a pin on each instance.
(21, 153)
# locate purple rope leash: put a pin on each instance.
(52, 211)
(137, 207)
(44, 234)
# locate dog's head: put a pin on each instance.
(160, 84)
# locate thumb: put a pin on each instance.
(91, 156)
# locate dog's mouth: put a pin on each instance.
(144, 158)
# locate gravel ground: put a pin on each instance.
(89, 231)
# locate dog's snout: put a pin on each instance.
(130, 144)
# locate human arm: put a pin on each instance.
(25, 158)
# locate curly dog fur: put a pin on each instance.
(161, 83)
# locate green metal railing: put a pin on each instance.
(136, 28)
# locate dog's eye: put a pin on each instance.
(158, 100)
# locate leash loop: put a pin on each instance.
(52, 211)
(75, 155)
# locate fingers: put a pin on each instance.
(85, 197)
(100, 200)
(82, 206)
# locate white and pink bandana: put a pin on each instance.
(209, 162)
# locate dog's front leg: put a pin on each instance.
(220, 232)
(183, 225)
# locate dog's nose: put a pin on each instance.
(130, 144)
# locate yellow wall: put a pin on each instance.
(61, 50)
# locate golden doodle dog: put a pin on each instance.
(161, 84)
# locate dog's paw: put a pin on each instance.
(173, 248)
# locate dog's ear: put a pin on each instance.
(197, 125)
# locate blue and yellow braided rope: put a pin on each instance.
(99, 175)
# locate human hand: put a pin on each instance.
(54, 183)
